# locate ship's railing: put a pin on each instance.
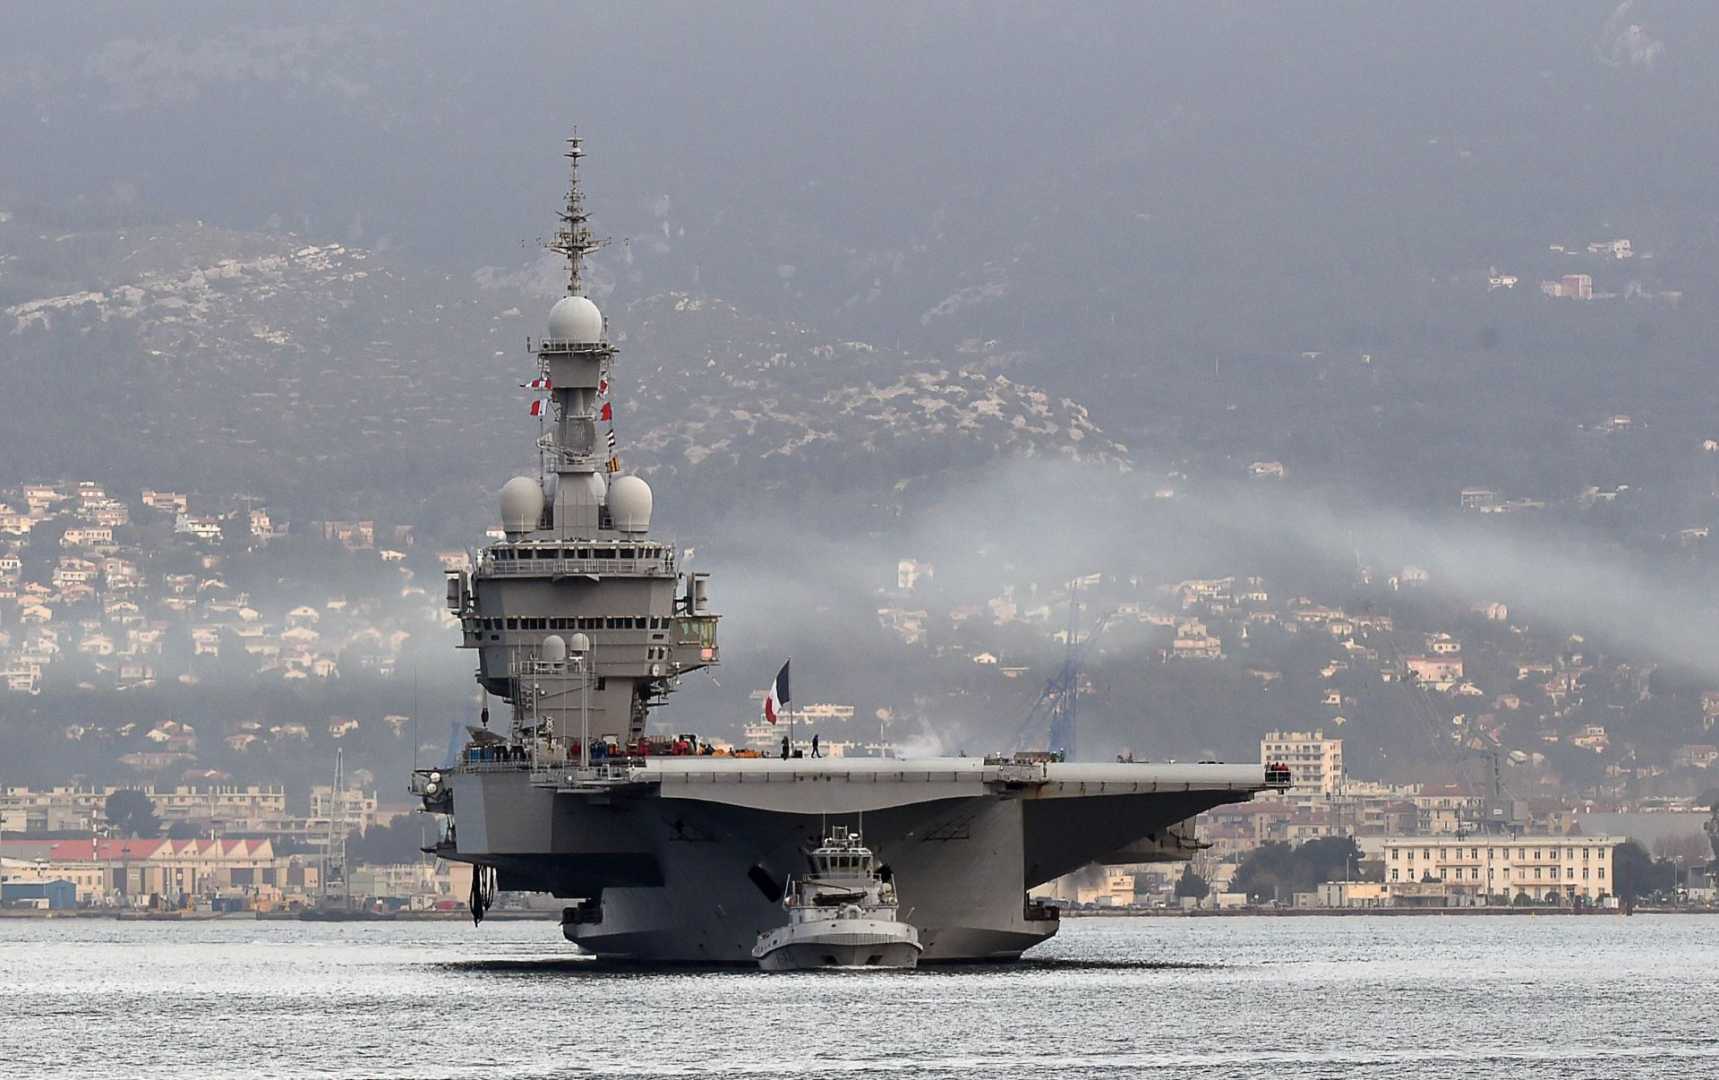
(792, 775)
(663, 567)
(498, 757)
(570, 776)
(552, 347)
(488, 766)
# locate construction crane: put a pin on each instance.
(1055, 709)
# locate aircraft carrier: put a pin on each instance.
(665, 851)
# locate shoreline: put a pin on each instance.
(1124, 913)
(1389, 912)
(274, 916)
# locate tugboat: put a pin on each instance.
(841, 915)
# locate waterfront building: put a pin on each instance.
(1352, 894)
(130, 872)
(420, 885)
(1315, 762)
(1497, 869)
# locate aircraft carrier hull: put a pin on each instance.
(684, 860)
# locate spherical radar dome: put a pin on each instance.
(521, 505)
(575, 320)
(630, 504)
(554, 649)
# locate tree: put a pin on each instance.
(130, 813)
(1636, 874)
(1191, 885)
(183, 830)
(1277, 871)
(1263, 873)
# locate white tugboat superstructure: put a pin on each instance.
(583, 623)
(840, 915)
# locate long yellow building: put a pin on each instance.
(1501, 869)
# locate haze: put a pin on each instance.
(1023, 293)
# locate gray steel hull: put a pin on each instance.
(688, 880)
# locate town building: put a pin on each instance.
(354, 807)
(417, 886)
(1570, 287)
(833, 725)
(1315, 762)
(1496, 869)
(174, 873)
(1481, 499)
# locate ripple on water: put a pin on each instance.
(1242, 998)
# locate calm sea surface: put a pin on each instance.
(1230, 997)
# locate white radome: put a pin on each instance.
(576, 321)
(630, 504)
(554, 649)
(521, 505)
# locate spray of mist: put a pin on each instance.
(1049, 522)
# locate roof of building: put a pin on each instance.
(105, 850)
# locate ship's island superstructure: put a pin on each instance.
(582, 622)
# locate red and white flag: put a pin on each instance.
(608, 412)
(539, 383)
(778, 695)
(603, 386)
(540, 407)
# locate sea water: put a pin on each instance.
(1277, 997)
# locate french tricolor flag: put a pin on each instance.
(778, 695)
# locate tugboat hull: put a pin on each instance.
(847, 949)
